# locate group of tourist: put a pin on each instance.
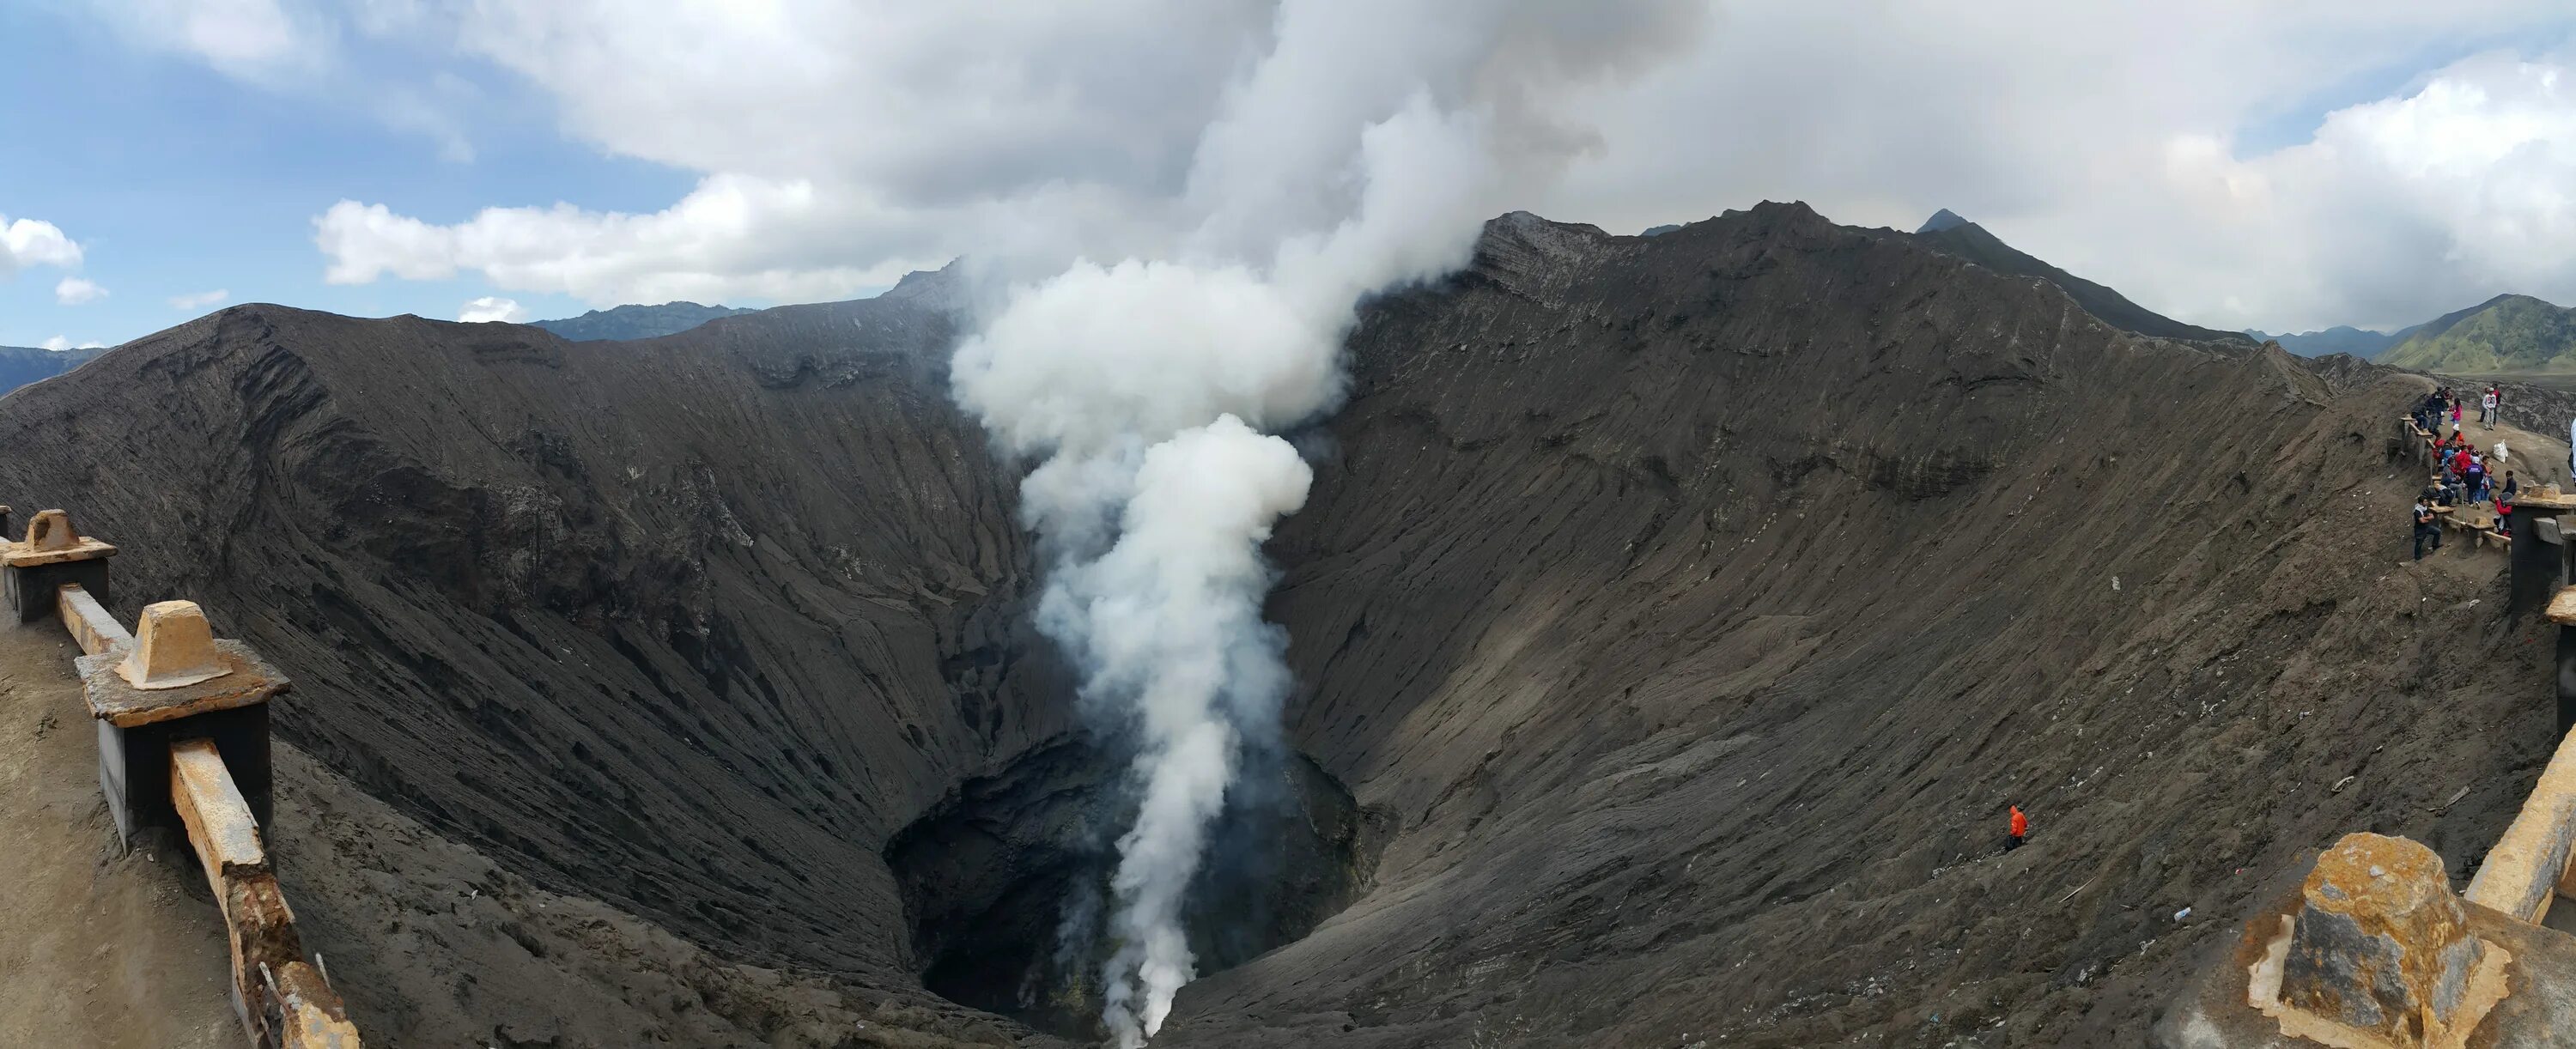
(2447, 405)
(2463, 475)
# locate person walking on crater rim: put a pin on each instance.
(2020, 828)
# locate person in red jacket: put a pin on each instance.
(2020, 828)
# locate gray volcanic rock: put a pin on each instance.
(1695, 605)
(942, 289)
(1940, 220)
(690, 625)
(1946, 231)
(1678, 615)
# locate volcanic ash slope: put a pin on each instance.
(1683, 612)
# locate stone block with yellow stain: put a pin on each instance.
(52, 555)
(2378, 953)
(176, 681)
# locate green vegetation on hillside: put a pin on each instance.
(2508, 333)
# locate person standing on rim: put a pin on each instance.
(2020, 827)
(2426, 528)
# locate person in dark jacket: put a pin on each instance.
(2428, 529)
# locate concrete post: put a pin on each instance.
(52, 555)
(173, 647)
(2539, 559)
(175, 682)
(2380, 949)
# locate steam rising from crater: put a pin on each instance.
(1360, 152)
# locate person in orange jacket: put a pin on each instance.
(2020, 828)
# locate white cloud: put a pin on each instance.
(839, 142)
(59, 344)
(75, 291)
(492, 308)
(734, 237)
(199, 300)
(28, 242)
(2398, 209)
(2135, 145)
(257, 40)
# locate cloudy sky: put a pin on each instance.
(2283, 165)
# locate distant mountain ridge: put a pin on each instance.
(1950, 234)
(636, 322)
(2508, 333)
(20, 365)
(2342, 338)
(942, 289)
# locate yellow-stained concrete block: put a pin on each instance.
(51, 540)
(261, 930)
(51, 530)
(87, 621)
(2562, 607)
(173, 647)
(2522, 872)
(219, 822)
(2380, 945)
(313, 1016)
(267, 950)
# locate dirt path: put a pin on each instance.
(96, 948)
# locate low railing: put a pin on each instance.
(2487, 529)
(183, 745)
(2527, 868)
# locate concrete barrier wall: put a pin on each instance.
(183, 720)
(2522, 874)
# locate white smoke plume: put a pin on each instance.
(1360, 152)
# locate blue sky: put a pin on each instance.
(178, 180)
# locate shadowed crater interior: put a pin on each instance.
(1006, 883)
